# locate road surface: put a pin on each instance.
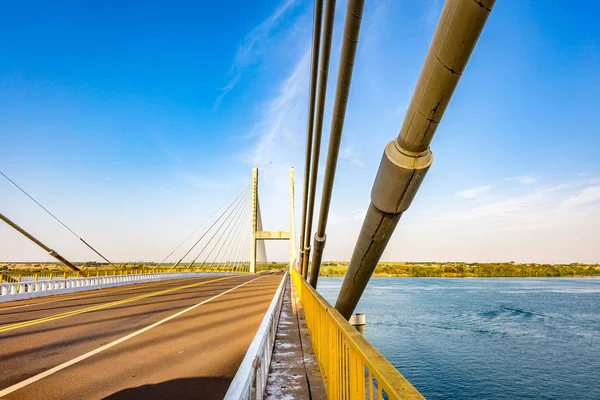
(174, 339)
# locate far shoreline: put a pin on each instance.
(338, 269)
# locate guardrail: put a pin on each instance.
(17, 278)
(10, 291)
(250, 380)
(48, 276)
(350, 366)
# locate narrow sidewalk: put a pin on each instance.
(294, 371)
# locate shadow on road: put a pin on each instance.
(180, 389)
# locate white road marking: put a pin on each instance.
(82, 357)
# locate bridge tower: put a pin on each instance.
(259, 235)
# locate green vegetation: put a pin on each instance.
(458, 269)
(388, 269)
(273, 266)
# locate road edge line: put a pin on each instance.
(107, 346)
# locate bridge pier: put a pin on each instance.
(259, 235)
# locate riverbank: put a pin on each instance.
(384, 269)
(513, 270)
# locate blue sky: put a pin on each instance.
(133, 122)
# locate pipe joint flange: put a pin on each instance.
(399, 176)
(319, 242)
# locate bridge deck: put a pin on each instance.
(173, 339)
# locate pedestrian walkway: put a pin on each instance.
(294, 372)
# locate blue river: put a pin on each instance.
(479, 338)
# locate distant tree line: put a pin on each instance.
(431, 269)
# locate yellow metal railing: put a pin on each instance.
(34, 277)
(350, 366)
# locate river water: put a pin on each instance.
(479, 338)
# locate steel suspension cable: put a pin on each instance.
(246, 266)
(238, 257)
(227, 241)
(208, 230)
(318, 129)
(239, 234)
(56, 218)
(352, 24)
(240, 201)
(197, 229)
(244, 238)
(314, 69)
(219, 239)
(234, 240)
(238, 250)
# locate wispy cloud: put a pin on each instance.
(356, 215)
(282, 117)
(524, 179)
(503, 207)
(248, 50)
(475, 192)
(538, 207)
(584, 196)
(349, 154)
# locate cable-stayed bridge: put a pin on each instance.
(217, 323)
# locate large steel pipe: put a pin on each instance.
(406, 160)
(42, 245)
(314, 69)
(320, 112)
(354, 11)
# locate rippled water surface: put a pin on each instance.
(479, 338)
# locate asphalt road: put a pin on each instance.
(180, 339)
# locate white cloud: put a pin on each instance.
(584, 196)
(277, 142)
(538, 224)
(357, 215)
(524, 179)
(505, 208)
(539, 208)
(248, 51)
(475, 192)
